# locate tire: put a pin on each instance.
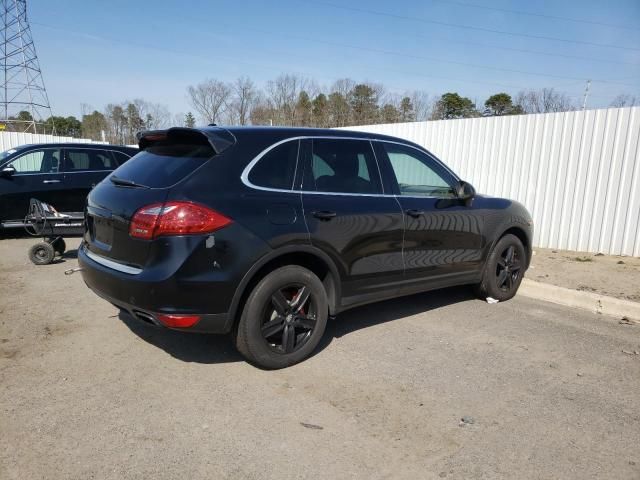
(59, 246)
(504, 269)
(283, 318)
(42, 253)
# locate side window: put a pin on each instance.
(417, 174)
(79, 159)
(277, 168)
(106, 158)
(342, 166)
(46, 160)
(120, 157)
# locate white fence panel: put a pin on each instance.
(10, 140)
(577, 172)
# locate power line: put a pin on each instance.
(467, 27)
(208, 59)
(537, 52)
(533, 14)
(420, 57)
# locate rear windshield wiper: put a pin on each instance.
(125, 183)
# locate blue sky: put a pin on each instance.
(100, 52)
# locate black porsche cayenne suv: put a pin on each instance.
(265, 232)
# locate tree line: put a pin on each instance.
(292, 100)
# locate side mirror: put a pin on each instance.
(7, 171)
(466, 192)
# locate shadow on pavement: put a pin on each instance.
(188, 347)
(210, 349)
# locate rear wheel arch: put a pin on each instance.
(307, 257)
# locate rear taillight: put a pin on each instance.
(175, 218)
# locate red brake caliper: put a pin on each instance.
(298, 293)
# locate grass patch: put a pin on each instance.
(583, 259)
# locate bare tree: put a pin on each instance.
(116, 119)
(343, 86)
(283, 94)
(178, 120)
(625, 100)
(154, 115)
(244, 98)
(422, 104)
(210, 99)
(543, 101)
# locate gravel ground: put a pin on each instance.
(616, 276)
(545, 391)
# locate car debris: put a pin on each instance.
(311, 426)
(466, 421)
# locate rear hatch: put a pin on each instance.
(166, 158)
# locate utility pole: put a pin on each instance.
(586, 95)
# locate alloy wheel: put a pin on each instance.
(508, 269)
(289, 318)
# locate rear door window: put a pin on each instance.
(342, 166)
(88, 159)
(277, 168)
(164, 164)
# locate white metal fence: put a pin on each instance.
(578, 173)
(15, 139)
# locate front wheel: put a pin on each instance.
(283, 319)
(503, 270)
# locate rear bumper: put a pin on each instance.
(144, 298)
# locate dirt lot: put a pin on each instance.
(546, 392)
(611, 275)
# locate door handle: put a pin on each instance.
(324, 214)
(415, 213)
(51, 181)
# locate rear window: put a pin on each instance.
(163, 165)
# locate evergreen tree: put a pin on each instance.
(189, 120)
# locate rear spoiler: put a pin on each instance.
(218, 138)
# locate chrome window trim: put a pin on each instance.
(244, 177)
(111, 264)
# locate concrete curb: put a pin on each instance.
(593, 302)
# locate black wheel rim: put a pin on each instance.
(289, 318)
(508, 269)
(41, 253)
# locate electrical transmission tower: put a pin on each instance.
(24, 103)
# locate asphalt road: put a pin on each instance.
(546, 392)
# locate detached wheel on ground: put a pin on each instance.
(42, 253)
(504, 270)
(283, 318)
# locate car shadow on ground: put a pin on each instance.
(211, 349)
